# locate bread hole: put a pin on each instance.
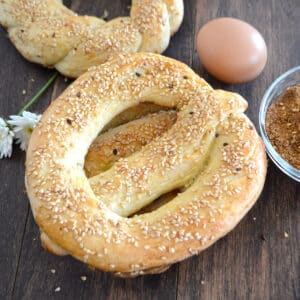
(126, 134)
(157, 203)
(133, 113)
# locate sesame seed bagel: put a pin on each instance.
(48, 33)
(212, 153)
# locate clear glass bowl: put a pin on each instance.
(274, 92)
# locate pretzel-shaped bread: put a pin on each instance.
(48, 33)
(212, 153)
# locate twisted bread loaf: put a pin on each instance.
(212, 152)
(48, 33)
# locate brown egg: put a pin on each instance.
(231, 50)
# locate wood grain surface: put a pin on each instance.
(254, 261)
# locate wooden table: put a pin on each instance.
(255, 261)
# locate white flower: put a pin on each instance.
(23, 127)
(6, 140)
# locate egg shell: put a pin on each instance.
(231, 50)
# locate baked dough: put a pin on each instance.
(212, 153)
(48, 33)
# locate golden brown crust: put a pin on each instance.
(48, 33)
(212, 151)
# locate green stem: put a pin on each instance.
(8, 125)
(39, 94)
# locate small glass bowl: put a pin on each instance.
(273, 93)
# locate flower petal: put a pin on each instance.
(23, 126)
(6, 140)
